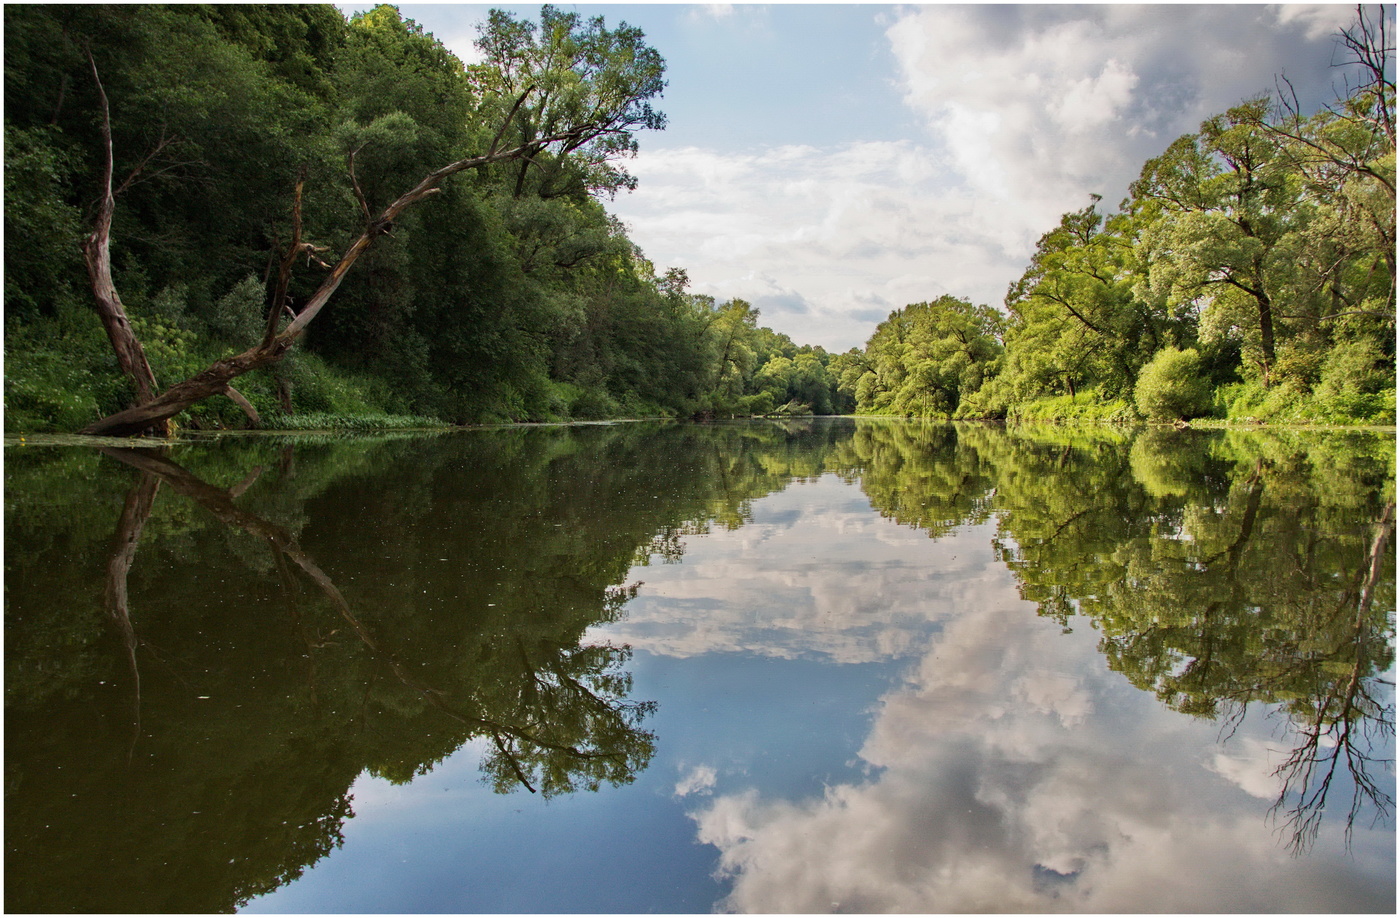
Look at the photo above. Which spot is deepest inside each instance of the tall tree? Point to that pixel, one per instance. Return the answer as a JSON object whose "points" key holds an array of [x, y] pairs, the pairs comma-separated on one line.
{"points": [[1223, 208]]}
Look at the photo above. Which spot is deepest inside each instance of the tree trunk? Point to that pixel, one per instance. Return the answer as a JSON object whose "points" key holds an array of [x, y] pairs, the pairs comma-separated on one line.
{"points": [[131, 357], [247, 406], [1266, 335]]}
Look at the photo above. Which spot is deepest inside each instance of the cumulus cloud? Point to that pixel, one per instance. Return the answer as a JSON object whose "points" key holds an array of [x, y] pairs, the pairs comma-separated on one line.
{"points": [[833, 230], [1042, 105], [1028, 110]]}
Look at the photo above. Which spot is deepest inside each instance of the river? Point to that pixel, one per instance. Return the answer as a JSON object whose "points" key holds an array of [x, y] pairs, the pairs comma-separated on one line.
{"points": [[813, 666]]}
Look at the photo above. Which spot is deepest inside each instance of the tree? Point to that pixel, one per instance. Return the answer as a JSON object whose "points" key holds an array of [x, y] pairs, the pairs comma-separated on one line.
{"points": [[1345, 156], [589, 99], [925, 358], [580, 73], [731, 334], [1075, 320], [1223, 209]]}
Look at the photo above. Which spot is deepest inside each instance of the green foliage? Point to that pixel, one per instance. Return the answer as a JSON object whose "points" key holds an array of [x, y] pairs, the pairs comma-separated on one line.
{"points": [[42, 230], [237, 318], [1341, 398], [1264, 242], [1171, 388], [561, 71], [60, 372], [510, 296], [1356, 368], [1088, 405], [323, 421], [924, 359], [1075, 319]]}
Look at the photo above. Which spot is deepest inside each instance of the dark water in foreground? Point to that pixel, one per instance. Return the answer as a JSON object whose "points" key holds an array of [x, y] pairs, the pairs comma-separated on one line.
{"points": [[809, 667]]}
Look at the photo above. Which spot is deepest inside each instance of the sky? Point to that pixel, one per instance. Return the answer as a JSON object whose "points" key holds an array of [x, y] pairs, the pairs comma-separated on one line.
{"points": [[831, 163]]}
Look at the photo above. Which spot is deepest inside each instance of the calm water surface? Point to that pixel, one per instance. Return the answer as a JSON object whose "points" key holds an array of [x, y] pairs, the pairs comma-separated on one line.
{"points": [[812, 667]]}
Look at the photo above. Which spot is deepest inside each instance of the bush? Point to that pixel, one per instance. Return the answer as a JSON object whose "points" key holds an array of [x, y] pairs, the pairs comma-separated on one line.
{"points": [[1355, 368], [60, 373], [319, 387], [1089, 405], [321, 421], [1172, 388]]}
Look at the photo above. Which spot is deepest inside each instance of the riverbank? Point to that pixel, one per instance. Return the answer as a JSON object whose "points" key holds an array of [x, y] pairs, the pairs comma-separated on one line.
{"points": [[403, 429]]}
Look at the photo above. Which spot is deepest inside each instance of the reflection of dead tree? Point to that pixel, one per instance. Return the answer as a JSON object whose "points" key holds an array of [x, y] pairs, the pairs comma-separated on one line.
{"points": [[135, 512], [219, 502], [1344, 723], [284, 574]]}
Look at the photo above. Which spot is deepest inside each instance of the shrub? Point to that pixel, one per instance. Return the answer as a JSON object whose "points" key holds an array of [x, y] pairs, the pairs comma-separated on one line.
{"points": [[1171, 386], [323, 421], [1355, 368], [1089, 405]]}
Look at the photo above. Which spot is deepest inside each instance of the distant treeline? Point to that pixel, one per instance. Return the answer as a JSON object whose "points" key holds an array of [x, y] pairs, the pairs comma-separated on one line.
{"points": [[1250, 274]]}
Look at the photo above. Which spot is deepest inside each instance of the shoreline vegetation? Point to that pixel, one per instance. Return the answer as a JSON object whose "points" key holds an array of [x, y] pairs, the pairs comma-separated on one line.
{"points": [[187, 187], [365, 428]]}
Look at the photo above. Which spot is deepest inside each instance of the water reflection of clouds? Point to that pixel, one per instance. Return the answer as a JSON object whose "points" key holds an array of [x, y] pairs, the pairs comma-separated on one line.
{"points": [[845, 584], [1014, 774], [700, 779], [1010, 771]]}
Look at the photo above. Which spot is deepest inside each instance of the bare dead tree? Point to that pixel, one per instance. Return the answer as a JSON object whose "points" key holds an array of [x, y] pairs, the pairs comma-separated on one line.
{"points": [[97, 256], [131, 357]]}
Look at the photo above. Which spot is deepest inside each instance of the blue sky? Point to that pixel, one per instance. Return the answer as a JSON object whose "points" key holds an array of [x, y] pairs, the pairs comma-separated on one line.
{"points": [[833, 162]]}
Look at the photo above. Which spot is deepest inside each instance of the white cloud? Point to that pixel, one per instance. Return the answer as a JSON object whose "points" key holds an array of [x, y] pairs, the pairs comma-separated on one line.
{"points": [[1250, 765], [1320, 20], [1040, 106], [699, 780], [1028, 110], [711, 11], [845, 585], [837, 230]]}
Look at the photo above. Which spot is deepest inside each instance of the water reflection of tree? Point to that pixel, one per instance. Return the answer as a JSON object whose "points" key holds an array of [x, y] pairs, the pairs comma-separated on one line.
{"points": [[375, 607], [569, 724], [921, 475], [1222, 571]]}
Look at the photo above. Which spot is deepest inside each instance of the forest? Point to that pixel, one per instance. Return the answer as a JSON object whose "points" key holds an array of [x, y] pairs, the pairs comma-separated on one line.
{"points": [[243, 151], [188, 187]]}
